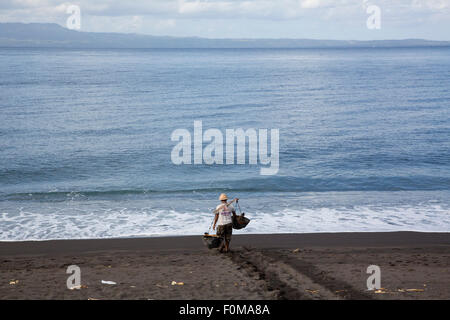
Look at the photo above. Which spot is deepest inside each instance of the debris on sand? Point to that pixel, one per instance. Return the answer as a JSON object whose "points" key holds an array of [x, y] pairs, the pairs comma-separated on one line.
{"points": [[312, 291], [411, 290], [381, 290], [78, 287]]}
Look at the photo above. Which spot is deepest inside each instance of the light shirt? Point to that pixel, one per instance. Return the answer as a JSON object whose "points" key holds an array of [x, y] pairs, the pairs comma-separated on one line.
{"points": [[225, 213]]}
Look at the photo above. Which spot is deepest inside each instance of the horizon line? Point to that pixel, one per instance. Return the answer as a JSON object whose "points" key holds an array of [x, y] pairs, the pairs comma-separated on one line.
{"points": [[207, 38]]}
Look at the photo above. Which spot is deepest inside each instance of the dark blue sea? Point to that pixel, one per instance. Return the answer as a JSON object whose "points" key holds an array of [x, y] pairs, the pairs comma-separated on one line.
{"points": [[85, 140]]}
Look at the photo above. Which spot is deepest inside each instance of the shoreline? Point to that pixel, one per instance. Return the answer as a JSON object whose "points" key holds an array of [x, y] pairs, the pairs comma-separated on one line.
{"points": [[245, 234], [324, 266], [193, 242]]}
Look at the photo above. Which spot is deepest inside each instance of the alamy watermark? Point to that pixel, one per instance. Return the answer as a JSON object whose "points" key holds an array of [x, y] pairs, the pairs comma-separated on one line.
{"points": [[213, 152], [74, 280], [73, 22], [373, 22], [374, 280]]}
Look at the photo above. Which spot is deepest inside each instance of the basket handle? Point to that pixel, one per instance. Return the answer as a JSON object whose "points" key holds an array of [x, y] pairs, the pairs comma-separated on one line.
{"points": [[209, 229], [240, 211]]}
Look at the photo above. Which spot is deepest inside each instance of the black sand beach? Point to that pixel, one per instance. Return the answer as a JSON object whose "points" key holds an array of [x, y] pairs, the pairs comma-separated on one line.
{"points": [[285, 266]]}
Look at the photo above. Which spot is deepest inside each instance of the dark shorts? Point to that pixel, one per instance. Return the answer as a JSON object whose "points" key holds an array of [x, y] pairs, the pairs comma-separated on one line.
{"points": [[225, 231]]}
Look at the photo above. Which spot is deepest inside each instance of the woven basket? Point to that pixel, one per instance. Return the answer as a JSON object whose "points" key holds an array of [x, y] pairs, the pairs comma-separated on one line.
{"points": [[240, 222], [212, 241]]}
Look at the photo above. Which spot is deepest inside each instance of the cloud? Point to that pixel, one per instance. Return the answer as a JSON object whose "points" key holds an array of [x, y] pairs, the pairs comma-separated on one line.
{"points": [[223, 9], [433, 5], [257, 9], [212, 17], [311, 4]]}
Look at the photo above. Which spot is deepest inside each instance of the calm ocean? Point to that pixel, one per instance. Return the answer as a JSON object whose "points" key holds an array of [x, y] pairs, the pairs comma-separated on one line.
{"points": [[85, 140]]}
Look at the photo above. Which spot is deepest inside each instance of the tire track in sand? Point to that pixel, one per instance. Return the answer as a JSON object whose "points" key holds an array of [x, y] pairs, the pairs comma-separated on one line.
{"points": [[293, 279]]}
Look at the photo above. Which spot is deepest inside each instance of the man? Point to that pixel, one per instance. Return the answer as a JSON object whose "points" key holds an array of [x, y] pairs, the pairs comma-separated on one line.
{"points": [[224, 221]]}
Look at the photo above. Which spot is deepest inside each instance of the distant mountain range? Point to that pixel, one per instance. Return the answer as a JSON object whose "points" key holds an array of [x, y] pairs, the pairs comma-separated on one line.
{"points": [[53, 35]]}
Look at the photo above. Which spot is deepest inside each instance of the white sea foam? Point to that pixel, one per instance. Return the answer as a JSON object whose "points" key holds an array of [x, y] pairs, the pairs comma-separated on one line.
{"points": [[73, 223]]}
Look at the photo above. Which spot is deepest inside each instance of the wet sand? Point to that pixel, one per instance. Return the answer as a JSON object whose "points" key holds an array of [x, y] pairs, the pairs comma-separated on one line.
{"points": [[286, 266]]}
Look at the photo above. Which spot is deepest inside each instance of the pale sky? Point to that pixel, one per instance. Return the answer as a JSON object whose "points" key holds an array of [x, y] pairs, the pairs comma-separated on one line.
{"points": [[318, 19]]}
